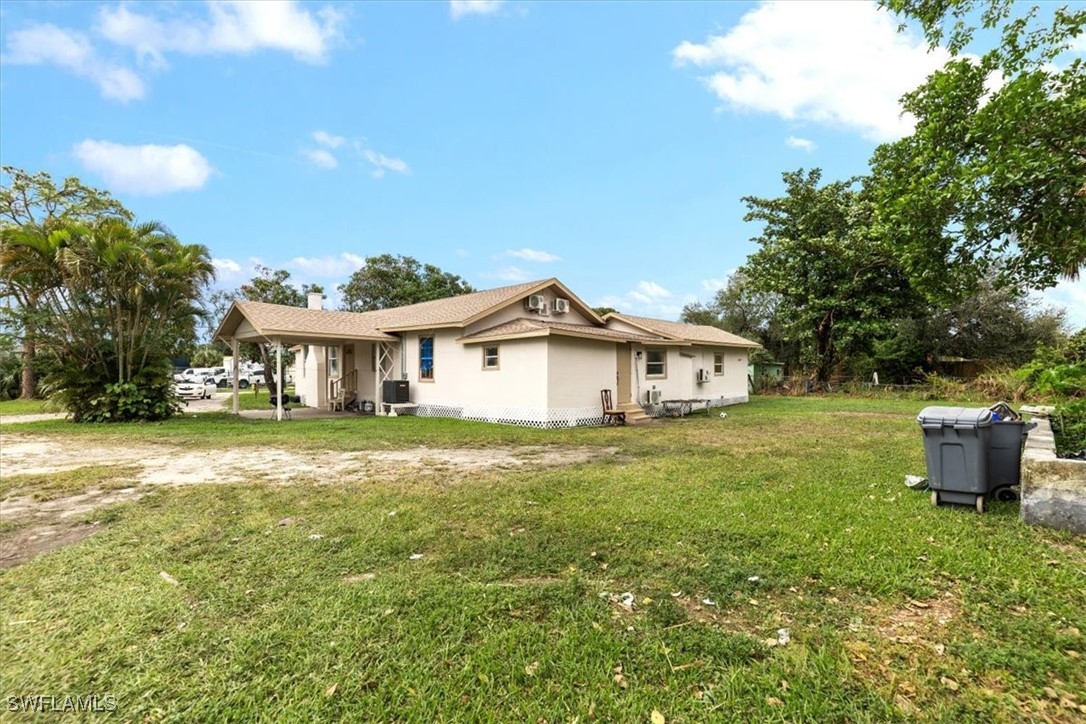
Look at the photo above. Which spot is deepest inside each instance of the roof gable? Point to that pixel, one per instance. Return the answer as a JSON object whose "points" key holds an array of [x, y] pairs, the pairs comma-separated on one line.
{"points": [[678, 330]]}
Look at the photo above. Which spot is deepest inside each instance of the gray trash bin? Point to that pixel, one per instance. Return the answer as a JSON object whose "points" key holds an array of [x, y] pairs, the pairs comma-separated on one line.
{"points": [[957, 442], [1005, 457]]}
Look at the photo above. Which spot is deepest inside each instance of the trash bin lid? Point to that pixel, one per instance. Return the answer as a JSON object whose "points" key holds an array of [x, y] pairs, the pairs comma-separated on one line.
{"points": [[955, 417]]}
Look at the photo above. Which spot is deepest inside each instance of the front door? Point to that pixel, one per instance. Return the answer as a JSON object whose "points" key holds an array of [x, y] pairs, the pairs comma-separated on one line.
{"points": [[623, 393]]}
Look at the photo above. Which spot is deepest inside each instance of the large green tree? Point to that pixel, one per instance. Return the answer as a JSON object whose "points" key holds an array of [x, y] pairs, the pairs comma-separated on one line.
{"points": [[740, 308], [822, 255], [993, 178], [114, 301], [32, 207], [393, 281]]}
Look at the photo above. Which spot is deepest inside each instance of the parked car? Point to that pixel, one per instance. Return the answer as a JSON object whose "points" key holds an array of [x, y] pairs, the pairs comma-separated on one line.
{"points": [[195, 389], [194, 373], [223, 378]]}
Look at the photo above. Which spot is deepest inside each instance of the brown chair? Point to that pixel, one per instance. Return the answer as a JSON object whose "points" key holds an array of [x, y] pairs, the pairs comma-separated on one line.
{"points": [[611, 415]]}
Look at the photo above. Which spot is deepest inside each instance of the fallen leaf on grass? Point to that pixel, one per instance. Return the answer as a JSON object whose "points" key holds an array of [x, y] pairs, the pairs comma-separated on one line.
{"points": [[331, 689], [315, 536], [949, 683], [1051, 693], [657, 717], [773, 701], [417, 556], [621, 681], [168, 578], [532, 668]]}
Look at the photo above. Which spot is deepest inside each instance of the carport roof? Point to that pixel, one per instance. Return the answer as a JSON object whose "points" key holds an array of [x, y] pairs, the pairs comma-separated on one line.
{"points": [[277, 321]]}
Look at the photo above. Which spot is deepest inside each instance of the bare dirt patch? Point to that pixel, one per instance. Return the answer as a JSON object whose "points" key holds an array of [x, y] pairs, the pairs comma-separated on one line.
{"points": [[171, 465], [22, 544]]}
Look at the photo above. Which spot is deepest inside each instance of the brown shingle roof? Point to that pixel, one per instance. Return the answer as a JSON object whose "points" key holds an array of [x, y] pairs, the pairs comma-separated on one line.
{"points": [[284, 320], [450, 311], [691, 332], [536, 327]]}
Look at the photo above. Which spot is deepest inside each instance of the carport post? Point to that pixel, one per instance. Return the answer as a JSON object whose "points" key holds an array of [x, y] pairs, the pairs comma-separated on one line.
{"points": [[237, 373], [279, 381]]}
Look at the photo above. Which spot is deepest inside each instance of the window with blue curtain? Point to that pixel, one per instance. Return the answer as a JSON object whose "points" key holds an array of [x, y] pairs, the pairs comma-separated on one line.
{"points": [[426, 358]]}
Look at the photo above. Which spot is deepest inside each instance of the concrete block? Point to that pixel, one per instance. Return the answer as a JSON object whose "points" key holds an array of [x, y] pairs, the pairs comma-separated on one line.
{"points": [[1053, 489]]}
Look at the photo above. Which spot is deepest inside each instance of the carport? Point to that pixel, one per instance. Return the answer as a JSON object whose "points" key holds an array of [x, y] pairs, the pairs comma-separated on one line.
{"points": [[278, 325]]}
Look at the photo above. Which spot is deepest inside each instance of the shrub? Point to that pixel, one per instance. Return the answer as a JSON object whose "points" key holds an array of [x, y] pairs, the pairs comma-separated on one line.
{"points": [[1069, 427]]}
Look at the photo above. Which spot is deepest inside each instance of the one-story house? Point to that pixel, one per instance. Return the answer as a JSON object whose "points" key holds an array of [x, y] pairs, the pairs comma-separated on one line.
{"points": [[528, 354]]}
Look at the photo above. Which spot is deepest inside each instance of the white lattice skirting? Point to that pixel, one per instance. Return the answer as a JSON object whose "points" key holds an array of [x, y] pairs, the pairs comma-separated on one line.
{"points": [[526, 416], [661, 411]]}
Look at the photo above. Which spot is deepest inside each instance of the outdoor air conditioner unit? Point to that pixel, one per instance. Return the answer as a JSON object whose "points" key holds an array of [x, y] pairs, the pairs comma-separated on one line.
{"points": [[653, 397], [703, 376], [535, 302], [560, 306]]}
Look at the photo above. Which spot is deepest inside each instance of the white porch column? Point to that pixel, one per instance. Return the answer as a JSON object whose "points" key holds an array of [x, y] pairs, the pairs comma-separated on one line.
{"points": [[237, 373], [279, 380]]}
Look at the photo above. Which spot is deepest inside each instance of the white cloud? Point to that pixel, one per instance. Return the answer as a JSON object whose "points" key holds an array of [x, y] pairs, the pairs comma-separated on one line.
{"points": [[227, 270], [147, 169], [233, 27], [650, 299], [226, 265], [320, 158], [327, 139], [509, 274], [838, 63], [462, 252], [803, 144], [49, 45], [652, 290], [340, 265], [382, 163], [1070, 295], [535, 255], [712, 286], [460, 8]]}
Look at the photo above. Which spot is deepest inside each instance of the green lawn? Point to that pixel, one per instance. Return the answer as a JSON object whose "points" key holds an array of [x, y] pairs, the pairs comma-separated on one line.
{"points": [[789, 514], [25, 407]]}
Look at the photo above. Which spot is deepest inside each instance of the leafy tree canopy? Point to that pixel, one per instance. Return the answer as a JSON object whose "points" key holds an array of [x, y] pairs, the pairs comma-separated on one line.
{"points": [[993, 179], [112, 302], [32, 207], [822, 256], [387, 281]]}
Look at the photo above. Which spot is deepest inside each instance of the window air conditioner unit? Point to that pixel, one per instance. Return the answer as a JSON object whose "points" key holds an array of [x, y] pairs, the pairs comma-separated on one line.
{"points": [[535, 302], [561, 306], [703, 376], [653, 397]]}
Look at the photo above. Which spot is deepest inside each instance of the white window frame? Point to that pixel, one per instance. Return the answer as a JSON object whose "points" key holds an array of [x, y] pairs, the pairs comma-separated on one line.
{"points": [[662, 351]]}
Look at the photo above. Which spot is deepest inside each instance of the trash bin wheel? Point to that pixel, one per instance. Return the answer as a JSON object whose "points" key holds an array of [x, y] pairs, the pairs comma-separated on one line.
{"points": [[980, 503], [1006, 495], [935, 498]]}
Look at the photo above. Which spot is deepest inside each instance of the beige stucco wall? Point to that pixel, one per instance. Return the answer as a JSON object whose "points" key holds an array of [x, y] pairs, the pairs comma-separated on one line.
{"points": [[681, 380], [577, 370], [459, 377]]}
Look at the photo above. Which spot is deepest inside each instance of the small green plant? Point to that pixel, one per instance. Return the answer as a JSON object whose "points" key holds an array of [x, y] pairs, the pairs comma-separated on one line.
{"points": [[1069, 427]]}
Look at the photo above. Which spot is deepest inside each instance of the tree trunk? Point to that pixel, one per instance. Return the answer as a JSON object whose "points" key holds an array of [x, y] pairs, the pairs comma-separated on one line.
{"points": [[269, 372], [28, 386]]}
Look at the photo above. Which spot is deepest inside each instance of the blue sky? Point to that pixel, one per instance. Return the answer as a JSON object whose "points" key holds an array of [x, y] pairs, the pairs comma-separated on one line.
{"points": [[606, 144]]}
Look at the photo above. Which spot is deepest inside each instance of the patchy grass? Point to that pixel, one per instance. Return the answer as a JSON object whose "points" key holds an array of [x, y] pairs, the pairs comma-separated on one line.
{"points": [[515, 611], [69, 482], [27, 407]]}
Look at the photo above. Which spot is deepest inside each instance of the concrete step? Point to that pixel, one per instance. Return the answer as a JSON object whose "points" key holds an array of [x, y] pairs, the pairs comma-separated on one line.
{"points": [[634, 414]]}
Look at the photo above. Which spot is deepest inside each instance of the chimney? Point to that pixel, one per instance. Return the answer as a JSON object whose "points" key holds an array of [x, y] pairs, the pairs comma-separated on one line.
{"points": [[315, 299]]}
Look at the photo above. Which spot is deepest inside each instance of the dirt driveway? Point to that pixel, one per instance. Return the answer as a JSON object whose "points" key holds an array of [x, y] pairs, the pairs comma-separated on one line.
{"points": [[33, 523]]}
